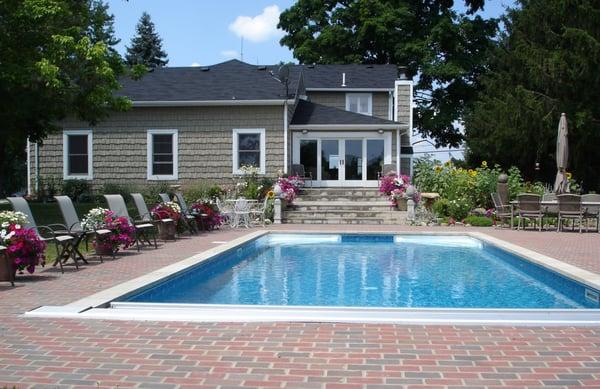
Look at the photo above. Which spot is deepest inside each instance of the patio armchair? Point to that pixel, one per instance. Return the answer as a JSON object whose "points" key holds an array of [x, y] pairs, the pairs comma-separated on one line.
{"points": [[258, 213], [144, 214], [142, 229], [226, 210], [74, 228], [503, 211], [298, 170], [530, 207], [6, 270], [569, 207], [241, 213], [386, 169], [592, 211], [52, 233], [188, 217]]}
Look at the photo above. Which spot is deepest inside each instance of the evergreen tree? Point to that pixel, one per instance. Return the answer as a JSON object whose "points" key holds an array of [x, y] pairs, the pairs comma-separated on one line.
{"points": [[447, 51], [146, 47], [546, 63]]}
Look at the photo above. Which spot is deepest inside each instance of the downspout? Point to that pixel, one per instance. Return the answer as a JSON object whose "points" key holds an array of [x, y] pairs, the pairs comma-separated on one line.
{"points": [[37, 167], [285, 136], [398, 151], [28, 168]]}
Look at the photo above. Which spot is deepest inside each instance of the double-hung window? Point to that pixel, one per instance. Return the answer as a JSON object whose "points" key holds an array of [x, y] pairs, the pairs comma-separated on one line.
{"points": [[248, 149], [162, 154], [360, 103], [77, 154]]}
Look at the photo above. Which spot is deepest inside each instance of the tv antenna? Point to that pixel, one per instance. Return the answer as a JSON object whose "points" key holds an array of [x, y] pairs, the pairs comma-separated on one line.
{"points": [[283, 76]]}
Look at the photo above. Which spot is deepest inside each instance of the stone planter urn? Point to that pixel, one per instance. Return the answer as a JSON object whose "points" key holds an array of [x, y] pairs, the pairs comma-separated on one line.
{"points": [[167, 231]]}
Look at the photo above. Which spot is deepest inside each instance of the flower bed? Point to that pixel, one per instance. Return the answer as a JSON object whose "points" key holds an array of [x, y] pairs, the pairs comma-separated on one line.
{"points": [[213, 218], [24, 246]]}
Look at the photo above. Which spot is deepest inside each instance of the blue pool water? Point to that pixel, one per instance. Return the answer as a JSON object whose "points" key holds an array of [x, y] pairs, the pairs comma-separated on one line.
{"points": [[369, 271]]}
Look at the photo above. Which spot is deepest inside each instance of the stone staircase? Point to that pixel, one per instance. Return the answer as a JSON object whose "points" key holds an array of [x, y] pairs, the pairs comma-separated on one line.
{"points": [[342, 206]]}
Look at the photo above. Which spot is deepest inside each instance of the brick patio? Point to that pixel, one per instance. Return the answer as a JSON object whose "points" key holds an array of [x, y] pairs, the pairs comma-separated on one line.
{"points": [[109, 354]]}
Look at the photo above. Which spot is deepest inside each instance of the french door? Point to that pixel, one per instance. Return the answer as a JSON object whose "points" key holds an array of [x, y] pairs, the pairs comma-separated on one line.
{"points": [[353, 159]]}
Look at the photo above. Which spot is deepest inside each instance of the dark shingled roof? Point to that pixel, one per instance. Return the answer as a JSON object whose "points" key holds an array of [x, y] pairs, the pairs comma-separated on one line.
{"points": [[357, 76], [236, 80], [231, 80], [308, 113]]}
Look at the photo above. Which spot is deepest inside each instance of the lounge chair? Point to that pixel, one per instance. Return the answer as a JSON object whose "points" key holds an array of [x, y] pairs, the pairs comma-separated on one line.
{"points": [[144, 213], [51, 233], [74, 228], [116, 203], [6, 270], [569, 207], [592, 211], [530, 207], [164, 197], [298, 170], [503, 211], [189, 218]]}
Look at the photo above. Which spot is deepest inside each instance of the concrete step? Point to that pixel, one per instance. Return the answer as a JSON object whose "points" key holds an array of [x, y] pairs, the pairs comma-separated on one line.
{"points": [[348, 212], [346, 220]]}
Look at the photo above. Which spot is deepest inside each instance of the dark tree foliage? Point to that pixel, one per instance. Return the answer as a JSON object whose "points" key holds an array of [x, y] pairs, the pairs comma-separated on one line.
{"points": [[546, 63], [146, 46], [446, 51], [56, 61]]}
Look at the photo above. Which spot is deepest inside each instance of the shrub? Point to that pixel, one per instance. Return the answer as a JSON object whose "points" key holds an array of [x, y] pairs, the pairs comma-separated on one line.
{"points": [[478, 221], [75, 189], [202, 191], [150, 192], [114, 188], [458, 209], [440, 208]]}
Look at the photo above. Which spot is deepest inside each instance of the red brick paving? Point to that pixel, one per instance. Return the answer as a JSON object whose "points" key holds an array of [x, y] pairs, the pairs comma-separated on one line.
{"points": [[110, 354]]}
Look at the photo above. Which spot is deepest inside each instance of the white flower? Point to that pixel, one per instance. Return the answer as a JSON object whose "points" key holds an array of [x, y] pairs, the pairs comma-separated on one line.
{"points": [[10, 235]]}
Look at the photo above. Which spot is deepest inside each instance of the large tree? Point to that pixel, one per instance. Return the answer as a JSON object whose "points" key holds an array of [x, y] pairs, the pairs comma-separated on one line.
{"points": [[447, 52], [546, 63], [146, 46], [56, 61]]}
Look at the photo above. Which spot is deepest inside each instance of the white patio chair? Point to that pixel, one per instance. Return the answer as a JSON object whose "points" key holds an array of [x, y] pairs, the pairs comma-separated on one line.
{"points": [[241, 213]]}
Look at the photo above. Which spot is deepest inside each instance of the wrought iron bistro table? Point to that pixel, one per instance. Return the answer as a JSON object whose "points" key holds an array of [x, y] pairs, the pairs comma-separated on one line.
{"points": [[548, 203]]}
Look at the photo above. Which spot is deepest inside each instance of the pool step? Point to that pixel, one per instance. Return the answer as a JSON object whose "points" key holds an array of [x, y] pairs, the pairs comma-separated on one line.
{"points": [[342, 206]]}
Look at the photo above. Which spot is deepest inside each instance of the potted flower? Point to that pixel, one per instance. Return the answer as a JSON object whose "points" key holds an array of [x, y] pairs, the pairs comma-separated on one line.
{"points": [[122, 232], [394, 187], [287, 189], [169, 213], [207, 215], [24, 247]]}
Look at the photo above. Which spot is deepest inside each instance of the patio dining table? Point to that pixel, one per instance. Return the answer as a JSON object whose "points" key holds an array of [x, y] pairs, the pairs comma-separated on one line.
{"points": [[243, 215]]}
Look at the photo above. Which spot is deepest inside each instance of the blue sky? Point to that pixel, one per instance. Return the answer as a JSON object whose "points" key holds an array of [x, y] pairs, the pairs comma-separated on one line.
{"points": [[207, 32]]}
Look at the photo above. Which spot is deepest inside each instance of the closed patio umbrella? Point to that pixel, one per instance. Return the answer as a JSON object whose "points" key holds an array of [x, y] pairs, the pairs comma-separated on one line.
{"points": [[561, 184]]}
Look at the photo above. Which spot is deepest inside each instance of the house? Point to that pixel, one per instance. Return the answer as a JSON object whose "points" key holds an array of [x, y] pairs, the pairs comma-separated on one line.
{"points": [[342, 122]]}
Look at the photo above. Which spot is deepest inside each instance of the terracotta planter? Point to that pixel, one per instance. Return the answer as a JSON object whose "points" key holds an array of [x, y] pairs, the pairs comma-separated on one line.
{"points": [[104, 250], [166, 231], [7, 270], [401, 205]]}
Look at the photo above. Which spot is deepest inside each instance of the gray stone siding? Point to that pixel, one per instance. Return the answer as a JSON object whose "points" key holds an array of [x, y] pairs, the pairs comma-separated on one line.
{"points": [[205, 143], [338, 100]]}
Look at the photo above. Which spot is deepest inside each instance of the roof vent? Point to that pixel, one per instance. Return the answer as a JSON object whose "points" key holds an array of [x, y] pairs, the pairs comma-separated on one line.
{"points": [[343, 79], [369, 66], [262, 67], [402, 73], [311, 66], [205, 68]]}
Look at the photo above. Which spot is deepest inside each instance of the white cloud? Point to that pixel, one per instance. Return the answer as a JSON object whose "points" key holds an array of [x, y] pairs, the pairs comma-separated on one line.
{"points": [[258, 28], [195, 64], [230, 54]]}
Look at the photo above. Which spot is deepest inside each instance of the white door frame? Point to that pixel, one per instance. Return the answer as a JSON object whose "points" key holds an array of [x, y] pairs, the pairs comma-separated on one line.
{"points": [[341, 137]]}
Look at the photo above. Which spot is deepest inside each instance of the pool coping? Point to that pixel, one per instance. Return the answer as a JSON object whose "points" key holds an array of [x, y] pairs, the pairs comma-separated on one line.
{"points": [[94, 306]]}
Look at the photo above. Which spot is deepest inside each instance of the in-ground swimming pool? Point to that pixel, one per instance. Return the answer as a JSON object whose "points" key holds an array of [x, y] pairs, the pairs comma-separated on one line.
{"points": [[394, 271]]}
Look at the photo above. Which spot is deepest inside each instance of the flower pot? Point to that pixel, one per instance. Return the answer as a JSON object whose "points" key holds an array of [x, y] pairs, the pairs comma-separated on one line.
{"points": [[7, 270], [166, 231], [104, 250], [401, 204]]}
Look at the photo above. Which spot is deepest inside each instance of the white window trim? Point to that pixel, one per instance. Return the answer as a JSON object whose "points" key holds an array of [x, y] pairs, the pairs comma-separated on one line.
{"points": [[263, 148], [159, 177], [90, 142], [370, 101]]}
